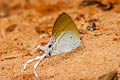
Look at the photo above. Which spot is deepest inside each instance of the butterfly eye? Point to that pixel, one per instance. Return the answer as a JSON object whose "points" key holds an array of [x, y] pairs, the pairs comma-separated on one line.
{"points": [[71, 37], [80, 38], [50, 46]]}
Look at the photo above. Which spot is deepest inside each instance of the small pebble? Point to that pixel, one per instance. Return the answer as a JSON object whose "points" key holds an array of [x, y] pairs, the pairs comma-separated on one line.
{"points": [[91, 27], [11, 28], [109, 76]]}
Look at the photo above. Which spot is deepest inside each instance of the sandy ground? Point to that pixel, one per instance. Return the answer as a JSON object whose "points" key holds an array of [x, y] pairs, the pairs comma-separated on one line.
{"points": [[18, 37]]}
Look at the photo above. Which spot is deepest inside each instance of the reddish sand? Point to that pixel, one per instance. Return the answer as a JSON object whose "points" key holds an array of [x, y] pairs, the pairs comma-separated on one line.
{"points": [[18, 37]]}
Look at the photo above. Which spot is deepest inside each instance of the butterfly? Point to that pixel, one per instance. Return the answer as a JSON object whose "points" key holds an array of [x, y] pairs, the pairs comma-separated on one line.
{"points": [[65, 37]]}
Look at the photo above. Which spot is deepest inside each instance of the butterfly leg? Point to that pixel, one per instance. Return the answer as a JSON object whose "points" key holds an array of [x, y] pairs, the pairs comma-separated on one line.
{"points": [[41, 47], [35, 66]]}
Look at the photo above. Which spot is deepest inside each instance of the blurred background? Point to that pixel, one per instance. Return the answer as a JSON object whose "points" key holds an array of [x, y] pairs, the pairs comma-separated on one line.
{"points": [[43, 7]]}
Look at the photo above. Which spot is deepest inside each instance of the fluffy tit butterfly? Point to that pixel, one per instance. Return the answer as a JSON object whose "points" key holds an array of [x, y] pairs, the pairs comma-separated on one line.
{"points": [[65, 37]]}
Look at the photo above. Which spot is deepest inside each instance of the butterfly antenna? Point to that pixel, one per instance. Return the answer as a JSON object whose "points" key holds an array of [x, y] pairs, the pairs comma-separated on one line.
{"points": [[41, 47]]}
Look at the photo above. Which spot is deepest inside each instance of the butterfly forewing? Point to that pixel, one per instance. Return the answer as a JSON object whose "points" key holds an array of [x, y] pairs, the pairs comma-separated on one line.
{"points": [[62, 24]]}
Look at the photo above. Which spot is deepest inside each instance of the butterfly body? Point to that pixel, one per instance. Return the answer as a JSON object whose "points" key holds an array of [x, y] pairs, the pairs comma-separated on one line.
{"points": [[63, 45], [65, 37]]}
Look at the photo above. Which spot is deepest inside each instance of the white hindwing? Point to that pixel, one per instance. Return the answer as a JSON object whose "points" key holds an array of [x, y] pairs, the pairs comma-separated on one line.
{"points": [[65, 43]]}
